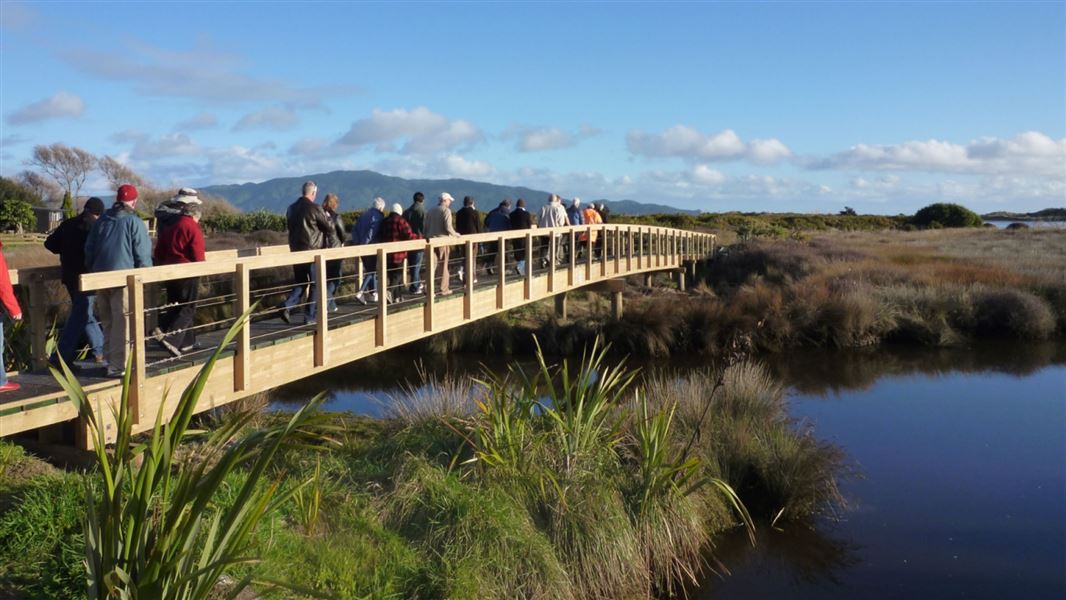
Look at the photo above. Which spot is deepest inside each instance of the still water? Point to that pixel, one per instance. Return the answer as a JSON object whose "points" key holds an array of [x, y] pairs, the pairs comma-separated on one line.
{"points": [[961, 462]]}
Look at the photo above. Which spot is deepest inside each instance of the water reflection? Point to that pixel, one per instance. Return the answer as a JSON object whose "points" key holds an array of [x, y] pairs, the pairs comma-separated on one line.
{"points": [[813, 556]]}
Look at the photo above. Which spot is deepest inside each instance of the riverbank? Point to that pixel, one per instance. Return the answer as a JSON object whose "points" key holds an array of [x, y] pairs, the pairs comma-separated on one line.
{"points": [[548, 485], [840, 290]]}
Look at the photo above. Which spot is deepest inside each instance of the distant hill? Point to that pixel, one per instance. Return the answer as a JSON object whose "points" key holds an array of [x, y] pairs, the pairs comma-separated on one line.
{"points": [[1048, 214], [358, 188]]}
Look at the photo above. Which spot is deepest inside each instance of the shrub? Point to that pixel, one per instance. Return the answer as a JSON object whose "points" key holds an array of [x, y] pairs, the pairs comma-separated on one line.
{"points": [[944, 214], [1012, 314]]}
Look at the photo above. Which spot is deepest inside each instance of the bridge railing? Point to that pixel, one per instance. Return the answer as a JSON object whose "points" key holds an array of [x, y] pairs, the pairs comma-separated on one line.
{"points": [[241, 278]]}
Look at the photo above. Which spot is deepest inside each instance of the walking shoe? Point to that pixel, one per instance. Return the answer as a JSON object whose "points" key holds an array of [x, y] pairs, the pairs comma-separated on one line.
{"points": [[374, 297], [460, 274], [190, 347], [9, 387], [171, 348], [421, 289], [157, 334], [360, 298], [285, 315], [115, 373]]}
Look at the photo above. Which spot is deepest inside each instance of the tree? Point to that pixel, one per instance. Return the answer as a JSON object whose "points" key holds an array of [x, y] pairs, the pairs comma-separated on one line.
{"points": [[67, 165], [45, 190], [68, 206], [943, 214], [16, 206], [848, 212], [118, 173]]}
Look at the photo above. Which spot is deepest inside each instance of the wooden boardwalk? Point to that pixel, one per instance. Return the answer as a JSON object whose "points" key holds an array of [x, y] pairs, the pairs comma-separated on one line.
{"points": [[269, 352]]}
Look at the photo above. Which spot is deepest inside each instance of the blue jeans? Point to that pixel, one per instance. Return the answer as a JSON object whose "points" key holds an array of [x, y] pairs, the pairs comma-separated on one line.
{"points": [[414, 267], [305, 275], [81, 320]]}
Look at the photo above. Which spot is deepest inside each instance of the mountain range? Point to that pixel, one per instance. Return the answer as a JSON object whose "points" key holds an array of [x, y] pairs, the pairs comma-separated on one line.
{"points": [[357, 189]]}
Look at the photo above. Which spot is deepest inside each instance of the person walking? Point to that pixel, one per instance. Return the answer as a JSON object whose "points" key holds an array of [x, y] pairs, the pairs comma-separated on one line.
{"points": [[308, 228], [13, 310], [605, 213], [68, 241], [574, 214], [592, 217], [365, 231], [117, 240], [334, 268], [552, 215], [179, 240], [395, 228], [520, 219], [468, 222], [439, 224], [415, 215], [497, 220]]}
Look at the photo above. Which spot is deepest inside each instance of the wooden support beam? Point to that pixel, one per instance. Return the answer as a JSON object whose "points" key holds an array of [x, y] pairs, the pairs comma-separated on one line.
{"points": [[527, 292], [429, 281], [573, 259], [383, 299], [560, 306], [135, 291], [616, 305], [606, 247], [242, 360], [552, 258], [501, 267], [321, 312], [588, 257], [37, 315], [629, 250], [468, 280]]}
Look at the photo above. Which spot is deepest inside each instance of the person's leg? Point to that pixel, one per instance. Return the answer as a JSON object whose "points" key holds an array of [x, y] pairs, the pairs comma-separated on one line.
{"points": [[301, 275], [178, 332], [67, 346], [113, 311], [333, 274], [414, 261], [92, 328], [445, 274], [312, 298]]}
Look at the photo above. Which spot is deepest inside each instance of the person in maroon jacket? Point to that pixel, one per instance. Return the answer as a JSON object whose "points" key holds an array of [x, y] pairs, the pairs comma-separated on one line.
{"points": [[179, 240], [395, 228], [11, 306]]}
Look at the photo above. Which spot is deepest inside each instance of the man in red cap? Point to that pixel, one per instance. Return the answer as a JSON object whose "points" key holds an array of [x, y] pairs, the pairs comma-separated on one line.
{"points": [[117, 241]]}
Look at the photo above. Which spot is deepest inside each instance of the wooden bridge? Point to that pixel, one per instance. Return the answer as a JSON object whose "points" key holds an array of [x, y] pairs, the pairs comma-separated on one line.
{"points": [[268, 352]]}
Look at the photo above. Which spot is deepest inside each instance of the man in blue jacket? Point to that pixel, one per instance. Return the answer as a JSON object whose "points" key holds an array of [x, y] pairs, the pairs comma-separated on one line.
{"points": [[118, 240]]}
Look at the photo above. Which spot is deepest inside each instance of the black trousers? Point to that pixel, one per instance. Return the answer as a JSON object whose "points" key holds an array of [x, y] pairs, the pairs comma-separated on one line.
{"points": [[176, 320]]}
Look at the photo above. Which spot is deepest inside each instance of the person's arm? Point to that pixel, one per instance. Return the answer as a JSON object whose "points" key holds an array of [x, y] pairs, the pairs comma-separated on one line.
{"points": [[7, 293], [90, 246], [54, 242], [448, 227], [197, 250], [142, 246]]}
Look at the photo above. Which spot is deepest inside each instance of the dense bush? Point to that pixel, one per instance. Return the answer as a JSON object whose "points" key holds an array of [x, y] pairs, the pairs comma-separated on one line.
{"points": [[16, 206], [245, 222], [946, 215]]}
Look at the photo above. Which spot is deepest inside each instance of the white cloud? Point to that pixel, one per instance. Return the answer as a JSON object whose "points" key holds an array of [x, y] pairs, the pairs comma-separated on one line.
{"points": [[1030, 153], [61, 105], [441, 167], [422, 131], [685, 142], [204, 120], [147, 149], [706, 175], [539, 139], [457, 166], [276, 118]]}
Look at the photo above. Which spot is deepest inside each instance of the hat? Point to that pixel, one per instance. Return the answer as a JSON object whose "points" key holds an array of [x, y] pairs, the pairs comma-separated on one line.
{"points": [[95, 206], [446, 196], [577, 201], [187, 196], [127, 194], [396, 208]]}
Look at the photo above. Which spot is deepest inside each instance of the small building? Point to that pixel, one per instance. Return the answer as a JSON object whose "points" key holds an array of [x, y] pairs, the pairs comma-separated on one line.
{"points": [[47, 218]]}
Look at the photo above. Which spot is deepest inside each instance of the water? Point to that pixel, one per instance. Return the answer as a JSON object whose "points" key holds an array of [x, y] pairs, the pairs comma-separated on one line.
{"points": [[963, 461], [1031, 224]]}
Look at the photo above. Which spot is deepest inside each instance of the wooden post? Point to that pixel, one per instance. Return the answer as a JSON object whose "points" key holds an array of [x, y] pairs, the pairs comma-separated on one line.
{"points": [[551, 261], [404, 279], [640, 248], [617, 249], [135, 290], [501, 266], [616, 305], [529, 267], [242, 360], [430, 260], [606, 247], [681, 279], [588, 257], [629, 250], [359, 275], [573, 259], [321, 312], [658, 248], [38, 318], [468, 281], [383, 299], [560, 306]]}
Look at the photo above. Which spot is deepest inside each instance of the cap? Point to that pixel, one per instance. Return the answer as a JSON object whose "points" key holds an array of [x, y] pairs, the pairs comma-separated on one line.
{"points": [[187, 196], [126, 193], [396, 208], [446, 196], [95, 206]]}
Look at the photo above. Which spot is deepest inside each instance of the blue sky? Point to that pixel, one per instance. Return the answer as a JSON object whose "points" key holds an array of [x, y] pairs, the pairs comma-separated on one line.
{"points": [[777, 106]]}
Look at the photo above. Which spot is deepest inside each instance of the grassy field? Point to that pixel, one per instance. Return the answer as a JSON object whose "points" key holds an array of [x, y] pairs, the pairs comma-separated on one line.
{"points": [[543, 484]]}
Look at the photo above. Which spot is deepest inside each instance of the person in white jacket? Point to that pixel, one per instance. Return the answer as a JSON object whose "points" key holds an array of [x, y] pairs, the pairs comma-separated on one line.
{"points": [[552, 215]]}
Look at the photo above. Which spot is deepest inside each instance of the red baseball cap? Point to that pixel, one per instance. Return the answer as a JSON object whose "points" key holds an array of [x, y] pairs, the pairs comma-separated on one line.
{"points": [[126, 193]]}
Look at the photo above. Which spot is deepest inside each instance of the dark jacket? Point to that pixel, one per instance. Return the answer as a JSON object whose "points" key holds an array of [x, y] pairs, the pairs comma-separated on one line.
{"points": [[521, 219], [339, 234], [118, 240], [605, 213], [498, 219], [366, 227], [68, 241], [574, 214], [467, 221], [309, 227], [416, 218]]}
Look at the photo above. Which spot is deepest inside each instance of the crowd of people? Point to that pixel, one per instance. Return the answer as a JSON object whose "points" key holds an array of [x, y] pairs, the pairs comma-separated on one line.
{"points": [[313, 227], [116, 238]]}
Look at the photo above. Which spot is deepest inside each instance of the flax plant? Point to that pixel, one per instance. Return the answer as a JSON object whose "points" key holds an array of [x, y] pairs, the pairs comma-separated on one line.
{"points": [[154, 530]]}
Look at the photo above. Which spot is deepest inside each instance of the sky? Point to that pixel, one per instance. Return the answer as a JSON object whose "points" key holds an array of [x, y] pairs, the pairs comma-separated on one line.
{"points": [[769, 106]]}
